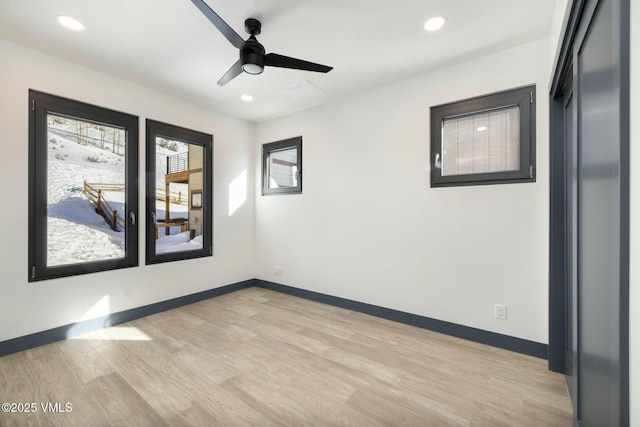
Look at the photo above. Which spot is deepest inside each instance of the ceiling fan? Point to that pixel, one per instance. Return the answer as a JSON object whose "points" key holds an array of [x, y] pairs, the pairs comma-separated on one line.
{"points": [[252, 54]]}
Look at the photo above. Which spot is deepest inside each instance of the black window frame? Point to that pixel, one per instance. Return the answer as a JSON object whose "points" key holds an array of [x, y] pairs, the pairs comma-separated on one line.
{"points": [[159, 129], [285, 144], [40, 105], [525, 99]]}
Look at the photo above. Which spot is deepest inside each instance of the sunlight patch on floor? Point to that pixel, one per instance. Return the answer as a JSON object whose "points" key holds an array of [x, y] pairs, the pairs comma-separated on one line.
{"points": [[116, 333]]}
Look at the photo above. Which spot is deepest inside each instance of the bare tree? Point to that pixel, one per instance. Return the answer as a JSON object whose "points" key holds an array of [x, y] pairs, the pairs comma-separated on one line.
{"points": [[82, 132], [117, 140]]}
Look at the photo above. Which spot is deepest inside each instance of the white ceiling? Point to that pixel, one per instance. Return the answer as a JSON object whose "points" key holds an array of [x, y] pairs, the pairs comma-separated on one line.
{"points": [[169, 46]]}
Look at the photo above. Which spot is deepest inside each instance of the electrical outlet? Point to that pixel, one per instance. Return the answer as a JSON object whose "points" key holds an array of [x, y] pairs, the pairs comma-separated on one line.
{"points": [[278, 270], [127, 292], [501, 312]]}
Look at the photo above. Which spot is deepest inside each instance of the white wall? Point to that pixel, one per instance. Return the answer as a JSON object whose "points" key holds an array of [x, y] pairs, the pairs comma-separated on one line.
{"points": [[31, 307], [368, 226], [555, 33], [634, 300]]}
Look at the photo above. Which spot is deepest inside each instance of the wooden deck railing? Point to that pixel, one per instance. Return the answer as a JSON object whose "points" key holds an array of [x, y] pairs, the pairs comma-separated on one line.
{"points": [[94, 193], [177, 197]]}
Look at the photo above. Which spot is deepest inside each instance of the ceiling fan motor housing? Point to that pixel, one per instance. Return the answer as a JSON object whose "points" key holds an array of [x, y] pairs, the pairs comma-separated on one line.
{"points": [[252, 56]]}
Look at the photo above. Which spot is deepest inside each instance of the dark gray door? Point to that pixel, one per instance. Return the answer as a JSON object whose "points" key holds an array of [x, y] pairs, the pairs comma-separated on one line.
{"points": [[601, 228], [589, 227]]}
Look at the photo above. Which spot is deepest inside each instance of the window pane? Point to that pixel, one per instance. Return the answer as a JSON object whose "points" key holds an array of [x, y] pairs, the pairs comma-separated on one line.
{"points": [[83, 174], [179, 185], [283, 168], [179, 193], [481, 143], [85, 191]]}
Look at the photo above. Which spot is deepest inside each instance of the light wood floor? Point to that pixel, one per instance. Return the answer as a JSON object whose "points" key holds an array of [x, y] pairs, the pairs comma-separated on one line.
{"points": [[261, 358]]}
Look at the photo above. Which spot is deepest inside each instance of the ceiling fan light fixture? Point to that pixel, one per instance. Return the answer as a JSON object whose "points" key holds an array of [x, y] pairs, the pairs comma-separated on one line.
{"points": [[435, 23], [252, 57], [252, 68], [70, 23]]}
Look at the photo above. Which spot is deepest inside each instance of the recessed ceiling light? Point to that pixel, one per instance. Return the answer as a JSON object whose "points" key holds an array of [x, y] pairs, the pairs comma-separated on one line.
{"points": [[434, 24], [481, 128], [246, 98], [70, 23]]}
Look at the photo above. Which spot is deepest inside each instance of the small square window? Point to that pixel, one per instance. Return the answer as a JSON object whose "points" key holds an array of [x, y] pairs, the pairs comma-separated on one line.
{"points": [[484, 140], [282, 167]]}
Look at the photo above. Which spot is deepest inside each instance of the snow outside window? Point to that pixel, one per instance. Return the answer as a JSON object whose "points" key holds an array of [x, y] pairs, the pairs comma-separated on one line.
{"points": [[179, 193], [82, 203]]}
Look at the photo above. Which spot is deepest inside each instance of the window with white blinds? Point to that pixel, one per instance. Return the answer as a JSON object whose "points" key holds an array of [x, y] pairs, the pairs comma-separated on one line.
{"points": [[482, 142], [485, 140]]}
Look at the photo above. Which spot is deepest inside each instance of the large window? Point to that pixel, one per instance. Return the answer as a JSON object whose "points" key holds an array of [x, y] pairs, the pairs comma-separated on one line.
{"points": [[83, 197], [484, 140], [282, 167], [179, 193]]}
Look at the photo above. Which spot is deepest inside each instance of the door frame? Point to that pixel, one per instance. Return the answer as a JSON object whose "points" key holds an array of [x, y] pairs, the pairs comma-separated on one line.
{"points": [[579, 11], [557, 189]]}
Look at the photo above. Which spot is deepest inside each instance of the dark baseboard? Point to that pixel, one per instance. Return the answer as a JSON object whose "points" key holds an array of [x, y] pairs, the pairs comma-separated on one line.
{"points": [[506, 342], [63, 332]]}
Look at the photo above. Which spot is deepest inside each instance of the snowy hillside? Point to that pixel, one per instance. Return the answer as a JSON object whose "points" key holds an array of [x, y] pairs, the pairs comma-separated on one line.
{"points": [[75, 232]]}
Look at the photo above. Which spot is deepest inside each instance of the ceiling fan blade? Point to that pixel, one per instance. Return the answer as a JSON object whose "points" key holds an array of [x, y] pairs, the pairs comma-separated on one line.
{"points": [[275, 60], [219, 23], [232, 73]]}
